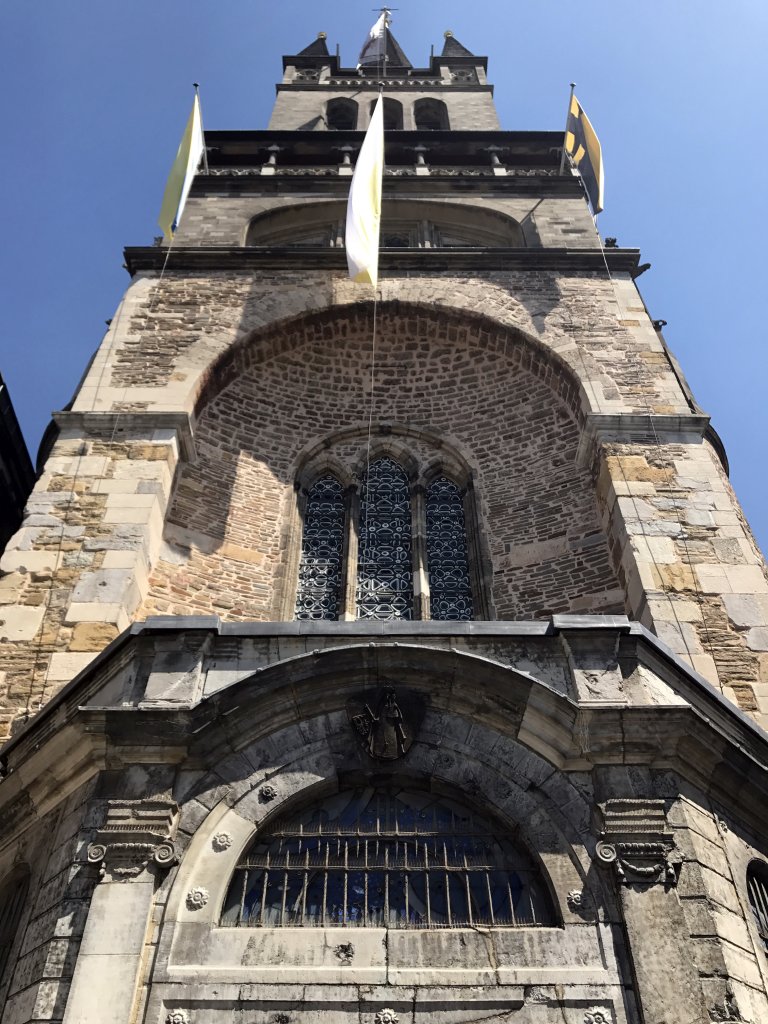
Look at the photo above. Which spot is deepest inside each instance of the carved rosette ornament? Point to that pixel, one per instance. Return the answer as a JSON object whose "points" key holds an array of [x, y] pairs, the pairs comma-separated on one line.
{"points": [[575, 899], [197, 898], [267, 794], [386, 1016], [137, 833], [177, 1017], [637, 841], [221, 841], [598, 1015]]}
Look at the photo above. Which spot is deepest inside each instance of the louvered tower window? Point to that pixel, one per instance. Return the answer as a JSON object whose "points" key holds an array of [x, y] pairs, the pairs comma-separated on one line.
{"points": [[757, 889], [450, 592], [387, 857], [321, 567], [385, 560]]}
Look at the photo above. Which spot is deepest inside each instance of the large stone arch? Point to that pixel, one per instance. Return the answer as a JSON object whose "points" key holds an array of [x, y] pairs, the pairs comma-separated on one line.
{"points": [[271, 765], [511, 408]]}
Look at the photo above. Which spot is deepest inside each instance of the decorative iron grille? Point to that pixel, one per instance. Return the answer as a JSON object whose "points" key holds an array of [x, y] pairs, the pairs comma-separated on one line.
{"points": [[386, 858], [320, 568], [447, 562], [757, 889], [384, 567]]}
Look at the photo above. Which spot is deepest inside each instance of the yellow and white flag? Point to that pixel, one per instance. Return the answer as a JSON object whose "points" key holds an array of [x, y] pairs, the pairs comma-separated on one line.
{"points": [[184, 168], [364, 205]]}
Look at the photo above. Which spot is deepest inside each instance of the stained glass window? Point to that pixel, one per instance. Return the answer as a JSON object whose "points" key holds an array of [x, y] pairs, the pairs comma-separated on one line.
{"points": [[447, 562], [390, 858], [384, 566], [320, 569]]}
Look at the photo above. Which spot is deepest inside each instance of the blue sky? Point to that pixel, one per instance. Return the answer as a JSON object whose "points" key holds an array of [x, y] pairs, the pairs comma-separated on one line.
{"points": [[96, 94]]}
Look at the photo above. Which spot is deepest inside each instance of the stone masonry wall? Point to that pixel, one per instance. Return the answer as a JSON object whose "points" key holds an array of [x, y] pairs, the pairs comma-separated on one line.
{"points": [[298, 108], [690, 565], [222, 217], [56, 908], [78, 570], [537, 507], [75, 572]]}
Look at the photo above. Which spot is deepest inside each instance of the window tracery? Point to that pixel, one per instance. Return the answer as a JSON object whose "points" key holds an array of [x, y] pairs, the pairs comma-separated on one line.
{"points": [[385, 565], [320, 569], [450, 591], [386, 857], [386, 548], [757, 890]]}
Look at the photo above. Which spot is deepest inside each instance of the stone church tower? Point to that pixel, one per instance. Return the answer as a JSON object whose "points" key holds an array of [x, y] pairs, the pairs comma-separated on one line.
{"points": [[416, 681]]}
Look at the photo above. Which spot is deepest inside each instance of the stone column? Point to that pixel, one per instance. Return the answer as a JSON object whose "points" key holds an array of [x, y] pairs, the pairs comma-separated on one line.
{"points": [[134, 844], [637, 845]]}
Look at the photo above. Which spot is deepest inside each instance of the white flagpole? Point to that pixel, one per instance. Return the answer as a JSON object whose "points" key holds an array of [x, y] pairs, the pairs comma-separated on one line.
{"points": [[202, 127], [567, 118]]}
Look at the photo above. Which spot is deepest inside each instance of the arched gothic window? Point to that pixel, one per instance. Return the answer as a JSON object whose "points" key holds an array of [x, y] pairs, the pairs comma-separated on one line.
{"points": [[430, 115], [386, 857], [757, 890], [385, 561], [363, 551], [341, 115], [320, 569], [13, 893], [393, 114], [450, 593]]}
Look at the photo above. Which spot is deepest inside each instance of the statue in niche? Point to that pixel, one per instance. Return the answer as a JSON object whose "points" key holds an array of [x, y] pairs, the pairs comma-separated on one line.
{"points": [[384, 722]]}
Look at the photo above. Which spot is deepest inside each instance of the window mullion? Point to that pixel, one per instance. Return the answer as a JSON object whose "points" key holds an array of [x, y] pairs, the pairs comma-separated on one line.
{"points": [[419, 551], [347, 611]]}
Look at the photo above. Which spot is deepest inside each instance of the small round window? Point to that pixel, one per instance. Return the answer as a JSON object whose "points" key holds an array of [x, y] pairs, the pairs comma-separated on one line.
{"points": [[395, 858]]}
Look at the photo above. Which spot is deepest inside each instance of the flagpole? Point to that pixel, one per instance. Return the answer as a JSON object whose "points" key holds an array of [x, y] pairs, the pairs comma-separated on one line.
{"points": [[202, 127], [567, 119]]}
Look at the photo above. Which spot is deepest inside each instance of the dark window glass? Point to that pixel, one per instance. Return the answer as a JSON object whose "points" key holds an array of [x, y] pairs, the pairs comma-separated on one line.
{"points": [[342, 115], [393, 115], [320, 569], [430, 115], [384, 565], [757, 889], [13, 893], [386, 857], [449, 587]]}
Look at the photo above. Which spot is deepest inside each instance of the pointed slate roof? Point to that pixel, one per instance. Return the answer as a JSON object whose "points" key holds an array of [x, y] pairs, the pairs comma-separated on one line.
{"points": [[317, 48], [396, 58], [453, 48]]}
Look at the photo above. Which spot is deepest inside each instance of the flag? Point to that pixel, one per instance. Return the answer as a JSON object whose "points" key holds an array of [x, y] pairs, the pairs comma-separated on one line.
{"points": [[375, 46], [583, 147], [364, 205], [185, 166]]}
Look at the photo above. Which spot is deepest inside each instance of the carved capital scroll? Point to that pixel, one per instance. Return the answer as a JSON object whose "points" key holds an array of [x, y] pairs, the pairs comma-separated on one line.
{"points": [[635, 838], [135, 834]]}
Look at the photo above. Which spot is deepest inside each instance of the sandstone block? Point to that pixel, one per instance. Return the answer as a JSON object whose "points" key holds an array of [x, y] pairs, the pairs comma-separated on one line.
{"points": [[65, 666], [29, 561], [20, 622], [92, 636], [757, 638], [746, 609]]}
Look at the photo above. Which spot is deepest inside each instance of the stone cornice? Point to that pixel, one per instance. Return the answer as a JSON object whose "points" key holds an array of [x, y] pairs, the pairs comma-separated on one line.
{"points": [[699, 734], [120, 425], [331, 185], [391, 261]]}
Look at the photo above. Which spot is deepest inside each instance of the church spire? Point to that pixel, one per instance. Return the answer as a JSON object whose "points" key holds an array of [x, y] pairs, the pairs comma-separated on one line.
{"points": [[453, 48]]}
